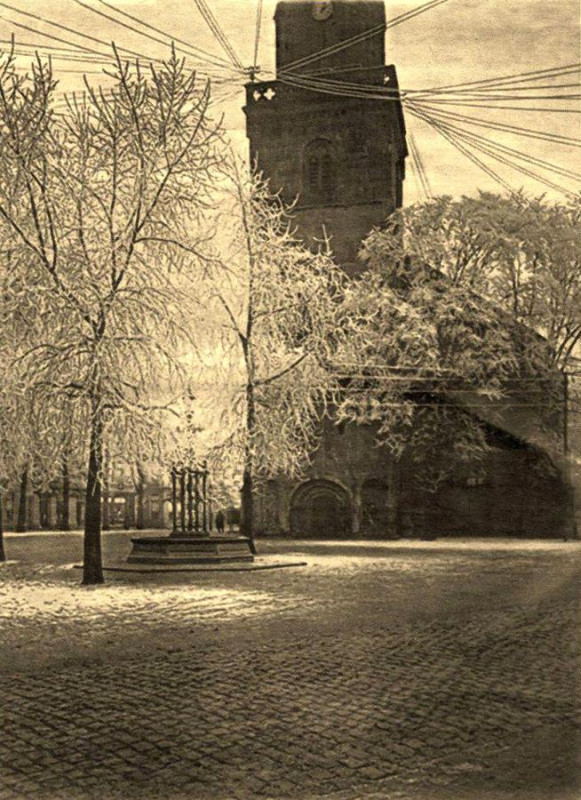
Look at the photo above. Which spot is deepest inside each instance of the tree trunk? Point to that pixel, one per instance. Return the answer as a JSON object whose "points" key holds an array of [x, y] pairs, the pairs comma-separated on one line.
{"points": [[247, 510], [106, 505], [2, 552], [43, 519], [92, 562], [140, 492], [65, 515], [247, 495], [21, 518]]}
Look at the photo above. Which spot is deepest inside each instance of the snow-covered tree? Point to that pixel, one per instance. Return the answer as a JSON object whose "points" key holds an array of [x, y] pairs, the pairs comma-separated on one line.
{"points": [[100, 213], [32, 437], [12, 451], [411, 345], [520, 252], [466, 306], [269, 308]]}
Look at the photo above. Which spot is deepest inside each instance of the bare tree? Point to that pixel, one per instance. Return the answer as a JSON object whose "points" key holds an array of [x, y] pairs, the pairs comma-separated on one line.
{"points": [[101, 209]]}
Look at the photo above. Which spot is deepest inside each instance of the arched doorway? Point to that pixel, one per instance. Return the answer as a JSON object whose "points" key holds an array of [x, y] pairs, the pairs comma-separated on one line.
{"points": [[320, 510]]}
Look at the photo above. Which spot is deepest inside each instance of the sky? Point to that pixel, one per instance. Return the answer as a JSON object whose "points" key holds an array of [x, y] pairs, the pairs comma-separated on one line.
{"points": [[460, 40]]}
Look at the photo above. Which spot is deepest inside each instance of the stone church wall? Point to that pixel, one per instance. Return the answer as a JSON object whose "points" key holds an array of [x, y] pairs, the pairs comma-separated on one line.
{"points": [[342, 160], [357, 490]]}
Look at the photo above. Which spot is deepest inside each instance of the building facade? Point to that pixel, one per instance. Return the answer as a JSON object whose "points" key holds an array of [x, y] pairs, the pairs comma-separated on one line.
{"points": [[123, 507], [341, 158]]}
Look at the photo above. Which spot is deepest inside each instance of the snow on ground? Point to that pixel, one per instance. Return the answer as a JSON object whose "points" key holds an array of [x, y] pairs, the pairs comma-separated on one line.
{"points": [[35, 599], [47, 621], [47, 617]]}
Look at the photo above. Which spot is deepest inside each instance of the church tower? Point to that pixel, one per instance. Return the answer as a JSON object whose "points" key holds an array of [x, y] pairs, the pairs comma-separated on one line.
{"points": [[338, 154]]}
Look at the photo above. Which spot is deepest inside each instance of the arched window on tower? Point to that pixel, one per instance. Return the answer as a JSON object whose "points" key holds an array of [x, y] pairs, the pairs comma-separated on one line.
{"points": [[319, 173]]}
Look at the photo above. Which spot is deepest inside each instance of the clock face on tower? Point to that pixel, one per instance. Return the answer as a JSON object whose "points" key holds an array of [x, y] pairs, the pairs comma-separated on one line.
{"points": [[322, 9]]}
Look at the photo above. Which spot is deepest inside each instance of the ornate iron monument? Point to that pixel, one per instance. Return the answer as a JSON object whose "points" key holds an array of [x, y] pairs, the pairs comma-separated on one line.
{"points": [[191, 540]]}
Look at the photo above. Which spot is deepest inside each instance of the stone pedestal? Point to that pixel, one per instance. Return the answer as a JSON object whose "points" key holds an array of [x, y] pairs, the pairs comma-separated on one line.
{"points": [[180, 549]]}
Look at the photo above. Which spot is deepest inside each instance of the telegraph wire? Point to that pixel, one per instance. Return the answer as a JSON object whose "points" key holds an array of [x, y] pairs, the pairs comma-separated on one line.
{"points": [[512, 151], [346, 68], [363, 88], [478, 93], [467, 98], [423, 171], [54, 37], [214, 26], [519, 155], [469, 88], [166, 43], [81, 71], [440, 402], [375, 92], [526, 76], [425, 106], [523, 170], [500, 126], [434, 374], [55, 51], [472, 87], [415, 372], [67, 59], [45, 51], [416, 175], [73, 31], [385, 92], [485, 92], [257, 36], [467, 104], [217, 60], [486, 150], [475, 160], [47, 54], [216, 99], [363, 36], [419, 167], [453, 140], [325, 87]]}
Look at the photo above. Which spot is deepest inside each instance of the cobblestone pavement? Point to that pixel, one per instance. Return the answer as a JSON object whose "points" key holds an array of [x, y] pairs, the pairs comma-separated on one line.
{"points": [[426, 676]]}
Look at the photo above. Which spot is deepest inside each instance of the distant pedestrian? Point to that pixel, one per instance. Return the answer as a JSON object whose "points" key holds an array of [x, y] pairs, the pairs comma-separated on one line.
{"points": [[220, 522]]}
